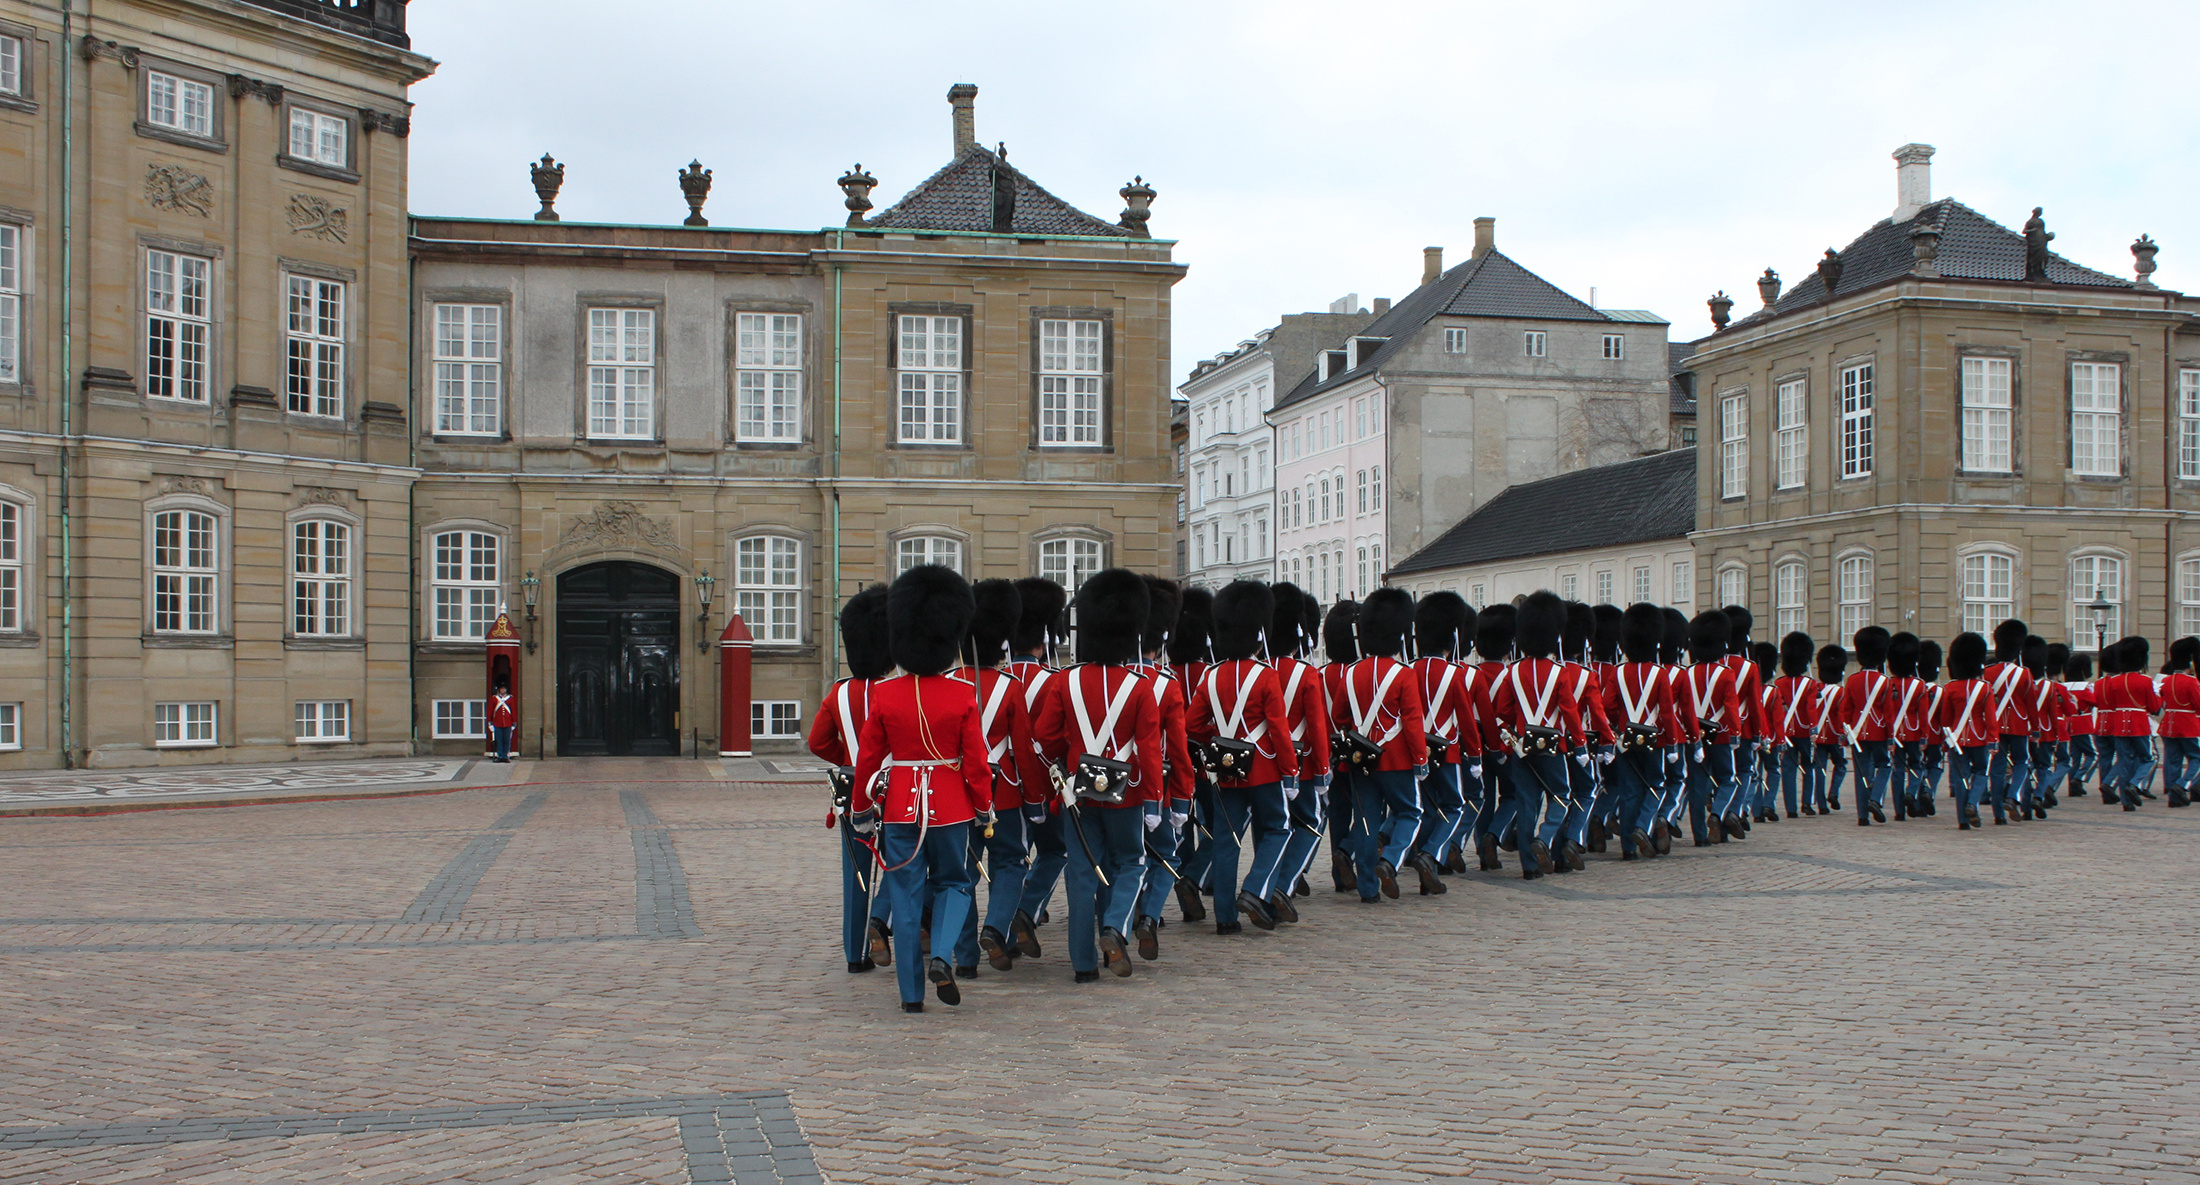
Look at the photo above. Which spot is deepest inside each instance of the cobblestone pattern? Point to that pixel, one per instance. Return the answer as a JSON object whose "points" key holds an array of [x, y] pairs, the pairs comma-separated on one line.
{"points": [[1818, 1003], [444, 900], [92, 786]]}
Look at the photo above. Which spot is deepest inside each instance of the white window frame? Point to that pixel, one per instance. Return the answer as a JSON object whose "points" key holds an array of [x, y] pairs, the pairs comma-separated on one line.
{"points": [[1734, 444], [1856, 592], [1375, 487], [1733, 585], [14, 542], [468, 358], [320, 138], [11, 65], [912, 550], [622, 374], [1790, 435], [775, 719], [458, 719], [1534, 343], [1988, 414], [1070, 560], [320, 722], [323, 558], [1070, 381], [2188, 596], [187, 571], [1604, 583], [1855, 393], [179, 104], [11, 727], [465, 582], [769, 587], [1359, 484], [1790, 612], [313, 341], [2096, 419], [2106, 571], [1987, 589], [1643, 589], [2188, 423], [1569, 586], [179, 326], [187, 724], [1615, 347], [767, 378], [928, 397], [11, 303], [1684, 582], [1455, 340]]}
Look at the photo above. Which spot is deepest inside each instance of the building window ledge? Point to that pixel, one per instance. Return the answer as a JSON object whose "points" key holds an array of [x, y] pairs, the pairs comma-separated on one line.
{"points": [[324, 643], [18, 103], [152, 641], [316, 168], [784, 651], [154, 131], [19, 639], [449, 646]]}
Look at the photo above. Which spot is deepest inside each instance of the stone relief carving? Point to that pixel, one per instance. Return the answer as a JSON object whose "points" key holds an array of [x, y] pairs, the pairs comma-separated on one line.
{"points": [[178, 484], [620, 522], [323, 496], [318, 218], [173, 187]]}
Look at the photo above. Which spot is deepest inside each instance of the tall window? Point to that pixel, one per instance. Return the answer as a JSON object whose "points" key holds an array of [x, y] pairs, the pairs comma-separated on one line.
{"points": [[1477, 595], [931, 380], [11, 567], [11, 726], [2188, 597], [1615, 346], [468, 584], [321, 721], [1364, 581], [322, 139], [1733, 585], [767, 586], [1603, 586], [1325, 501], [1642, 584], [1787, 597], [11, 301], [1069, 562], [1790, 436], [1359, 419], [1989, 591], [775, 718], [1684, 583], [1069, 382], [622, 373], [2103, 574], [1532, 343], [183, 724], [179, 104], [2096, 419], [177, 326], [320, 578], [315, 341], [469, 369], [1856, 420], [767, 377], [1986, 415], [1360, 484], [927, 549], [1375, 488], [1569, 586], [2188, 417], [1734, 445], [184, 572], [11, 65], [1853, 585], [1455, 341]]}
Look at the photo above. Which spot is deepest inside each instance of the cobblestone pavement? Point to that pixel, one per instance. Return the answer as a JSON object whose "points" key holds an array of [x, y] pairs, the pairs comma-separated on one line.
{"points": [[601, 976], [213, 780]]}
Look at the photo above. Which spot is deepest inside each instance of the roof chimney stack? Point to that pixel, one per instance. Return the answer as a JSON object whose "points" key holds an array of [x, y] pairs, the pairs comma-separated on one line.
{"points": [[1432, 263], [1913, 180], [963, 97], [1485, 236]]}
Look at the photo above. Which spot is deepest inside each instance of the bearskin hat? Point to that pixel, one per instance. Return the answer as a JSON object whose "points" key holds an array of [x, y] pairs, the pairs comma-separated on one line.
{"points": [[1112, 608], [2079, 667], [1041, 617], [1870, 644], [2182, 652], [1738, 622], [1287, 623], [1581, 627], [1795, 653], [1902, 651], [1604, 643], [1766, 656], [1194, 623], [1242, 613], [1675, 641], [928, 610], [1928, 660], [1708, 636], [1311, 633], [1539, 624], [863, 634], [1832, 661], [2033, 658], [2058, 659], [2109, 657], [1494, 630], [2009, 639], [1340, 632], [1161, 613], [1436, 622], [1385, 618], [1642, 627], [999, 609], [2131, 653], [1967, 656]]}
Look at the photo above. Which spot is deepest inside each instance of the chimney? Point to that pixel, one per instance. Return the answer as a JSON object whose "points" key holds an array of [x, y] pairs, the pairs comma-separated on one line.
{"points": [[963, 97], [1382, 305], [1432, 263], [1485, 236], [1913, 180]]}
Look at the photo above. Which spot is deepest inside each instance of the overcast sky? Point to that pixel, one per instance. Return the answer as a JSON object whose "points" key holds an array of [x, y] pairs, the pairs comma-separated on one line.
{"points": [[1654, 151]]}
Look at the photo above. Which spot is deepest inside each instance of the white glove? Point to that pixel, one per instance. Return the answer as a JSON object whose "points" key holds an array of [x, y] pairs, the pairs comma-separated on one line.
{"points": [[1035, 813], [1319, 783], [1474, 769], [863, 822], [1152, 815], [1290, 788], [1699, 753], [1582, 756], [1606, 756], [1179, 818]]}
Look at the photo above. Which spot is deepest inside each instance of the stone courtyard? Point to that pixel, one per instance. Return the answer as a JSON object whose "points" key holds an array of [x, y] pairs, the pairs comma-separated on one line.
{"points": [[627, 971]]}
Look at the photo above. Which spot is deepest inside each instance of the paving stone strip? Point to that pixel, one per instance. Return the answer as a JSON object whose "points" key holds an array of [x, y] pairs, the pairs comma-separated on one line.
{"points": [[661, 905], [445, 897]]}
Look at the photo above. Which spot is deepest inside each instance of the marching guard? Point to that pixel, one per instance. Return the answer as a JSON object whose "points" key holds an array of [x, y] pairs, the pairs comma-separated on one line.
{"points": [[1454, 737], [1638, 700], [1019, 778], [1032, 642], [1379, 714], [1189, 653], [1163, 820], [2012, 709], [1967, 726], [1291, 633], [834, 734], [1495, 826], [1341, 645], [1541, 722], [2127, 702], [1241, 725]]}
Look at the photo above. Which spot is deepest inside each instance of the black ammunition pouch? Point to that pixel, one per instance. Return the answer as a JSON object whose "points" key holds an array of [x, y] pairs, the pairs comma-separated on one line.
{"points": [[1642, 736], [1535, 738], [1227, 760], [1357, 753], [1100, 779], [843, 779]]}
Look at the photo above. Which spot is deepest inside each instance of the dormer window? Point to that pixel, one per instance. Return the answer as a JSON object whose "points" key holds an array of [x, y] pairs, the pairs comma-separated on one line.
{"points": [[1363, 350], [1331, 364]]}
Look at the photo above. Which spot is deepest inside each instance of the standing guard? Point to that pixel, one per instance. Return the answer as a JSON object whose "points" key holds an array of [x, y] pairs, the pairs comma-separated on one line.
{"points": [[1448, 720], [1019, 777], [1800, 692], [1240, 723], [1866, 719], [2127, 702], [1165, 818], [1039, 631], [864, 932], [1306, 707], [1965, 721], [1772, 718]]}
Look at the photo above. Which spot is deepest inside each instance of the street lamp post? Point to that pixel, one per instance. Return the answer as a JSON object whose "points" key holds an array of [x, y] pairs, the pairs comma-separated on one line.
{"points": [[529, 589], [705, 584], [2100, 608]]}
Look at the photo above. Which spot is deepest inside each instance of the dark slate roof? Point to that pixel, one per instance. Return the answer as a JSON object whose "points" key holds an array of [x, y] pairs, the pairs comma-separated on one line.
{"points": [[1683, 398], [960, 197], [1639, 501], [1972, 247], [1492, 286]]}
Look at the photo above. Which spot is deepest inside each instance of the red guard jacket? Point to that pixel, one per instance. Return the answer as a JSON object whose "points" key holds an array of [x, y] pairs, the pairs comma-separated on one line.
{"points": [[1913, 709], [924, 718], [502, 714], [1170, 695], [2125, 702], [1135, 738], [1771, 714], [1826, 711], [1389, 716], [2084, 720], [1639, 693], [1587, 689], [1536, 691], [1684, 707], [1748, 689], [1866, 712], [2011, 687], [2180, 694], [1447, 710], [1481, 680], [839, 722], [1306, 708], [1018, 776], [1798, 695], [1242, 700], [1715, 702], [1966, 712]]}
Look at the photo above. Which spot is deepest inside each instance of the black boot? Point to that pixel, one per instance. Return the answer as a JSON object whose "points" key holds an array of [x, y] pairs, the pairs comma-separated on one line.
{"points": [[1187, 899]]}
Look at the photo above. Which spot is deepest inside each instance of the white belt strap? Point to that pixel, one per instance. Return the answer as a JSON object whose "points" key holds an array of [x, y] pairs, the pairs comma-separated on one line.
{"points": [[1115, 710], [1443, 689], [1795, 704], [1635, 703], [1231, 725], [1291, 701], [1955, 739], [848, 721], [1363, 720], [2009, 673], [1705, 695], [1870, 701], [1538, 716], [1903, 713], [994, 752], [1826, 701]]}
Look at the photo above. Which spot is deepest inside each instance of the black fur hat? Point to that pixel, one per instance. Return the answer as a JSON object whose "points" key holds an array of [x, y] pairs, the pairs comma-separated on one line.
{"points": [[1494, 631], [928, 610], [1928, 660], [1436, 622], [1188, 643], [863, 634], [1385, 617], [1161, 613], [1738, 622], [1339, 632], [2033, 658], [1311, 632], [999, 608], [2131, 653], [2110, 658], [1604, 643], [2058, 659], [1767, 657], [1243, 610], [1870, 644], [1581, 629], [1540, 624], [2182, 652], [1966, 656], [1674, 643], [1832, 661], [1287, 623], [2009, 639], [1708, 636], [1111, 616], [1902, 651], [1041, 617], [1795, 653], [1642, 627], [2079, 668]]}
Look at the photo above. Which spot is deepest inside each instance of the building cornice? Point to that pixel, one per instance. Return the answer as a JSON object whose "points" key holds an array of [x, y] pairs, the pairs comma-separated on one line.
{"points": [[1907, 293], [1956, 509], [540, 478], [204, 453]]}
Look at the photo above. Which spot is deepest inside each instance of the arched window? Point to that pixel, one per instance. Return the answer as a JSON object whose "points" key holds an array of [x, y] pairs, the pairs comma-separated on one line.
{"points": [[186, 572], [2098, 572], [913, 550], [1853, 586], [1789, 613], [12, 525], [1375, 487], [1069, 562], [320, 578], [467, 584], [1360, 491], [767, 586], [1989, 588], [1733, 585], [1325, 501], [2188, 596]]}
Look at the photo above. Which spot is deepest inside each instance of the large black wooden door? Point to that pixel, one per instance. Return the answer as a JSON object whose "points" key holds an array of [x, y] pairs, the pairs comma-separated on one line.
{"points": [[618, 661]]}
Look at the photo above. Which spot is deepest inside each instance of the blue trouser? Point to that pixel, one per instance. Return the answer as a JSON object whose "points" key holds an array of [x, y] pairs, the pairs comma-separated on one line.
{"points": [[1197, 850], [2127, 758], [1445, 813], [2180, 763], [1631, 778], [1005, 867], [1504, 812], [1673, 798], [1343, 839], [1261, 811], [1907, 777], [2050, 765], [1928, 786], [502, 737], [1306, 812], [858, 904], [1582, 789], [2085, 758], [1656, 770], [1107, 856], [1744, 780], [1163, 847], [1049, 856], [1873, 768], [1968, 778], [1534, 777], [2012, 769], [1795, 763], [1386, 807], [1709, 778], [1828, 771], [1558, 803], [941, 865]]}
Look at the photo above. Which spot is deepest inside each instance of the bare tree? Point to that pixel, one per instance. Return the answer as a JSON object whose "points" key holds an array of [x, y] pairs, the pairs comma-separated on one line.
{"points": [[1601, 430]]}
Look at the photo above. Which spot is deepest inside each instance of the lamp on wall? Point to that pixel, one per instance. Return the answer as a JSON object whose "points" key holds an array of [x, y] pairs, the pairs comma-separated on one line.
{"points": [[705, 585], [529, 589], [2101, 607]]}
